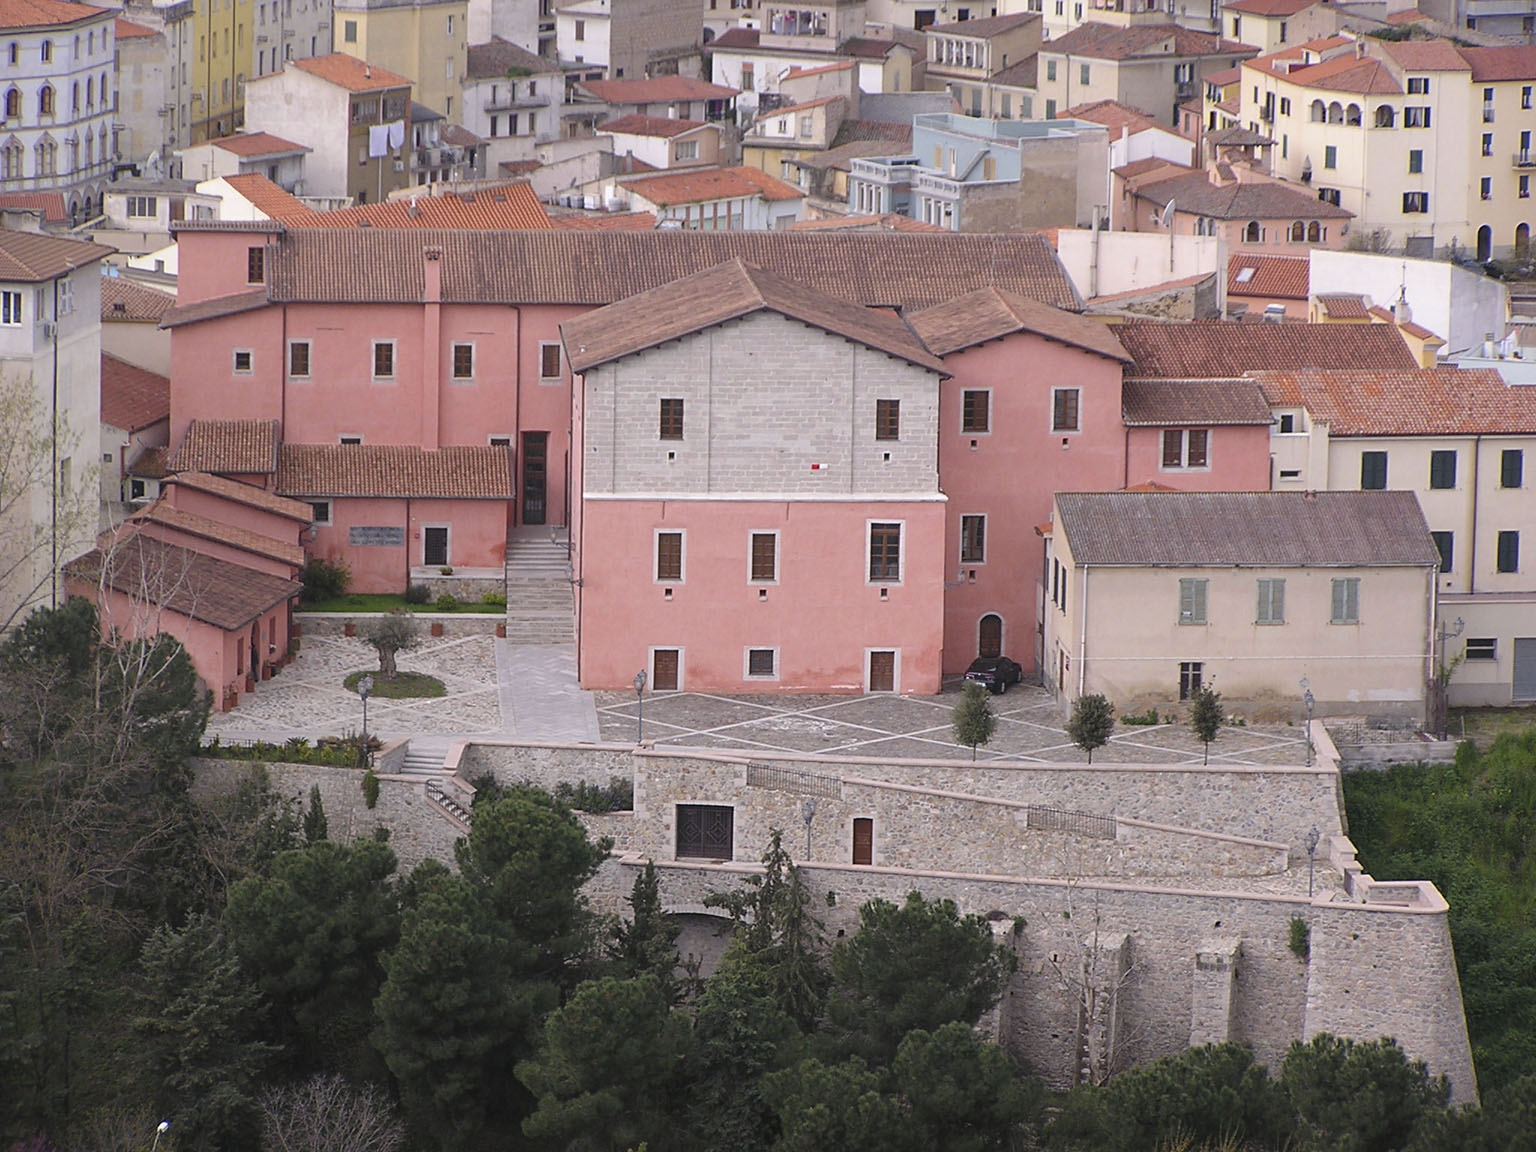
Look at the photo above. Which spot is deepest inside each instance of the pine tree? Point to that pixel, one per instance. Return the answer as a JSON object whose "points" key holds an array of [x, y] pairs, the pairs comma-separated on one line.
{"points": [[1092, 723], [315, 827], [973, 719]]}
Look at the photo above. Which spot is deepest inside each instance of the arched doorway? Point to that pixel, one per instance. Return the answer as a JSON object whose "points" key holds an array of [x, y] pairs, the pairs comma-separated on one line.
{"points": [[1484, 243], [989, 635], [1523, 240]]}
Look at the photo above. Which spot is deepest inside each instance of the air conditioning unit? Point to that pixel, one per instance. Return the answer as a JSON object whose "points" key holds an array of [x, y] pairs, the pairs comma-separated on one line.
{"points": [[47, 331]]}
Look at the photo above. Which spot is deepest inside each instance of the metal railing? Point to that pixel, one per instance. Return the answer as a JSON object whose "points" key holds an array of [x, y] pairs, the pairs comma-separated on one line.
{"points": [[1042, 819], [794, 780]]}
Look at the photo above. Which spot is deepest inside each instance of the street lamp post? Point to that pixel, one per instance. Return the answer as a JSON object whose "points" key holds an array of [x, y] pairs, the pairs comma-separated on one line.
{"points": [[160, 1130], [1310, 702], [808, 812], [640, 707], [1312, 838], [364, 687]]}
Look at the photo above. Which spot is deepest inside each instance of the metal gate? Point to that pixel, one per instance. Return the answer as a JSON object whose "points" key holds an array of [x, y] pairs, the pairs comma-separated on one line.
{"points": [[1525, 668]]}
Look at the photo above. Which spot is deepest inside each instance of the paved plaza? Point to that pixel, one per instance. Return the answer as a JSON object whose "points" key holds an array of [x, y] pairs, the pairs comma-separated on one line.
{"points": [[500, 690]]}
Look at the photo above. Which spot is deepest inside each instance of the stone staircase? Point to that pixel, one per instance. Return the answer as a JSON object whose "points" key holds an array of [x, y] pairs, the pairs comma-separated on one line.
{"points": [[540, 608], [425, 755]]}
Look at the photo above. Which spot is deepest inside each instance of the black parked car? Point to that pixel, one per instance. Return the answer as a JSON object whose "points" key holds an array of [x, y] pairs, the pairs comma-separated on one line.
{"points": [[996, 672]]}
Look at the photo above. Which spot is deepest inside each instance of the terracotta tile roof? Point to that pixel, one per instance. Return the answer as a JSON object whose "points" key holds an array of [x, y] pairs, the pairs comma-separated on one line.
{"points": [[248, 446], [890, 222], [1237, 136], [730, 291], [1278, 277], [1340, 74], [991, 313], [132, 398], [270, 199], [1240, 200], [560, 266], [458, 136], [1022, 74], [217, 592], [1261, 529], [31, 258], [1490, 65], [1225, 76], [128, 30], [736, 38], [1415, 402], [1156, 403], [396, 471], [841, 156], [1420, 332], [1343, 305], [258, 144], [1424, 55], [608, 222], [987, 25], [787, 109], [50, 204], [660, 126], [874, 48], [149, 464], [852, 130], [214, 308], [657, 90], [1218, 349], [496, 58], [520, 167], [350, 73], [247, 494], [502, 206], [205, 528], [1268, 7], [1138, 168], [19, 14], [1114, 116], [122, 300], [1107, 42], [698, 186], [818, 70]]}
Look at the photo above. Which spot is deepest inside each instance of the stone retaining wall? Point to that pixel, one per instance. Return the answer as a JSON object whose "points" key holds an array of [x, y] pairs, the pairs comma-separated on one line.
{"points": [[545, 764], [454, 624]]}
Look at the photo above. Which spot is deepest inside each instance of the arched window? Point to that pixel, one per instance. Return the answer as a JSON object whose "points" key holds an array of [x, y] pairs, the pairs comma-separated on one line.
{"points": [[1314, 232], [45, 51], [1298, 232], [1352, 115], [74, 96], [74, 154], [1522, 240], [13, 104], [77, 48], [1335, 113], [1386, 116], [45, 101], [90, 42], [1318, 113], [47, 158], [10, 162], [90, 150], [90, 92], [1253, 233]]}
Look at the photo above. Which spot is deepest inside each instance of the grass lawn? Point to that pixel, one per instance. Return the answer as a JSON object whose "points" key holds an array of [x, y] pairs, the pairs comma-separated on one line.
{"points": [[400, 686], [1483, 725], [354, 602]]}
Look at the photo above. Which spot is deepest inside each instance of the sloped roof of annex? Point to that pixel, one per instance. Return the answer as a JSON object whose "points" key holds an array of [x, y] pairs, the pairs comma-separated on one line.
{"points": [[1415, 402], [991, 313], [1223, 349]]}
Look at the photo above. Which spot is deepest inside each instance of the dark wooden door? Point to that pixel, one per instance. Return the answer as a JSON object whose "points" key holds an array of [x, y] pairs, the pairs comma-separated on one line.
{"points": [[434, 547], [882, 671], [664, 670], [535, 476], [705, 831], [989, 635], [863, 840]]}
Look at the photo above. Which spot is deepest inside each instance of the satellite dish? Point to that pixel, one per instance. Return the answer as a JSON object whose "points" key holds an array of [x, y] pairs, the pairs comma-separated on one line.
{"points": [[1165, 218]]}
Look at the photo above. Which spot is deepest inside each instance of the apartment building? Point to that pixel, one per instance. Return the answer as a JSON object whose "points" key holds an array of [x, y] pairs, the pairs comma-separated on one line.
{"points": [[289, 30], [426, 41], [57, 98], [988, 65], [1272, 25], [511, 100], [225, 51], [631, 39], [153, 53]]}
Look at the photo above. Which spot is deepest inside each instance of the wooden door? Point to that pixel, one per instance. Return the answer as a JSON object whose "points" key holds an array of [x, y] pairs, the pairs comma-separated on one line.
{"points": [[882, 671], [664, 665], [535, 476], [863, 840], [989, 635], [434, 548]]}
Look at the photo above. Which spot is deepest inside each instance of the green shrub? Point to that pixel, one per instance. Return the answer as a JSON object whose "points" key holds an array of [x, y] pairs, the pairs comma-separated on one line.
{"points": [[1301, 937], [417, 594], [1142, 719], [447, 602], [494, 600], [331, 751], [370, 788], [324, 580], [618, 796]]}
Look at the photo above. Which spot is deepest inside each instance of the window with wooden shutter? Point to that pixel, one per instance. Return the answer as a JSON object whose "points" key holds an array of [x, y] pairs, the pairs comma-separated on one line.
{"points": [[884, 553], [298, 358], [1064, 409], [1192, 593], [975, 410], [549, 361], [887, 419], [463, 361], [1345, 607], [1511, 468], [671, 419], [1373, 471], [383, 358], [1271, 602], [973, 539], [765, 557], [1508, 557], [669, 556]]}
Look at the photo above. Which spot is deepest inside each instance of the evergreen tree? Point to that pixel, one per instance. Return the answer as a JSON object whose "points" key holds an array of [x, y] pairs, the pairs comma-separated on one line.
{"points": [[1205, 717], [315, 827], [974, 722], [646, 944], [1092, 723]]}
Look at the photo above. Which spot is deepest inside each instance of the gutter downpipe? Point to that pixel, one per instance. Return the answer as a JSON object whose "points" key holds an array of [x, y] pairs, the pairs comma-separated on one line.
{"points": [[1477, 452], [1082, 637], [53, 442]]}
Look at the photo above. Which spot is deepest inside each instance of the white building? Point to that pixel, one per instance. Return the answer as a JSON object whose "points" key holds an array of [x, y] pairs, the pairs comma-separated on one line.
{"points": [[50, 370], [57, 84], [280, 161], [288, 30], [512, 100], [153, 54]]}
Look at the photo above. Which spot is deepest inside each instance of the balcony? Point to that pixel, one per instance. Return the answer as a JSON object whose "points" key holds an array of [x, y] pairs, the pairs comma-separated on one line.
{"points": [[507, 103], [1526, 159]]}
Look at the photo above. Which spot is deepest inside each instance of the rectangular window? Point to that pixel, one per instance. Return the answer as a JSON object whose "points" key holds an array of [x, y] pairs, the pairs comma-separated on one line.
{"points": [[1192, 600], [1416, 117], [705, 831], [1415, 202], [142, 206], [256, 265], [243, 361], [1330, 156], [1511, 468], [1445, 544], [1186, 448], [1485, 188], [1416, 160], [1418, 85], [1482, 648], [975, 410], [298, 358], [973, 539], [887, 419], [1509, 552], [1487, 143], [1442, 468], [1373, 471], [1271, 602], [671, 419], [762, 662], [1523, 188], [1345, 601], [1050, 70], [765, 557], [349, 31], [549, 361], [322, 510], [1064, 409], [463, 361], [669, 557], [1191, 678], [383, 359], [1082, 74], [10, 308], [884, 553]]}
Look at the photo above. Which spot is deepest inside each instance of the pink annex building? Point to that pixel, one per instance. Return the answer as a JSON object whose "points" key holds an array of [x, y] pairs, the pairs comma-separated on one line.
{"points": [[787, 461]]}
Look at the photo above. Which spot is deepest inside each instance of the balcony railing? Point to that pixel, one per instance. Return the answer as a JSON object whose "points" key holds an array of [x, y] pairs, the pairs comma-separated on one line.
{"points": [[1526, 159]]}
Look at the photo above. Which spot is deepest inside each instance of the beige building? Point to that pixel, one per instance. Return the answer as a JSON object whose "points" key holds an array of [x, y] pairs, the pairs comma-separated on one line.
{"points": [[1271, 25], [1458, 440], [1151, 596], [1154, 68], [423, 40], [986, 64]]}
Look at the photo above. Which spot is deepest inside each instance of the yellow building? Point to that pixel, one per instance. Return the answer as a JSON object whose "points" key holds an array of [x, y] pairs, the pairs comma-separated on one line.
{"points": [[424, 41], [222, 32]]}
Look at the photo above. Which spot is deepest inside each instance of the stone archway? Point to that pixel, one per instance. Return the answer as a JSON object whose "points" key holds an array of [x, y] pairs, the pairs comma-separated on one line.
{"points": [[989, 635]]}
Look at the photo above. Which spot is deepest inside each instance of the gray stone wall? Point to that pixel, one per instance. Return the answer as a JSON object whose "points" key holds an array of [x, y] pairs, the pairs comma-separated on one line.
{"points": [[454, 624], [546, 765], [764, 398]]}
